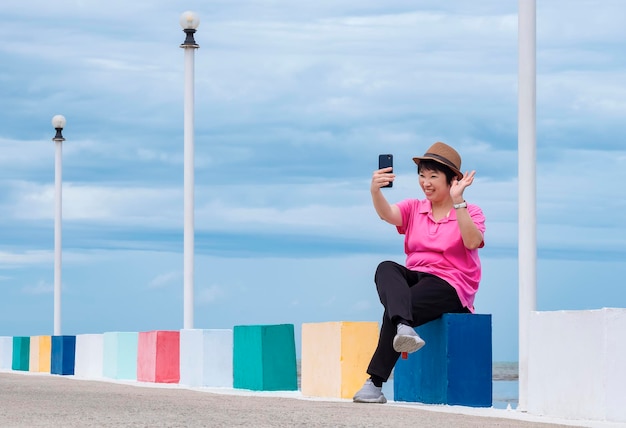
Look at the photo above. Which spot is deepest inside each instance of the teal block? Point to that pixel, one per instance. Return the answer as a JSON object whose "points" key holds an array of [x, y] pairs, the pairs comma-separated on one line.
{"points": [[63, 355], [264, 358], [120, 355], [21, 353], [455, 366]]}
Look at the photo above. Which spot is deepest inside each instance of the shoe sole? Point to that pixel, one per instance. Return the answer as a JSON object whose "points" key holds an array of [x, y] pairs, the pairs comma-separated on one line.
{"points": [[380, 400], [408, 344]]}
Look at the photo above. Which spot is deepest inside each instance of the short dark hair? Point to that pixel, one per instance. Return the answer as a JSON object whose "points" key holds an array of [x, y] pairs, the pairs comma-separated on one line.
{"points": [[430, 165]]}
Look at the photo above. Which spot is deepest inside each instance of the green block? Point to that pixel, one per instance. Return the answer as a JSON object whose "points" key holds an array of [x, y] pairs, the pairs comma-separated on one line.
{"points": [[21, 353], [264, 358]]}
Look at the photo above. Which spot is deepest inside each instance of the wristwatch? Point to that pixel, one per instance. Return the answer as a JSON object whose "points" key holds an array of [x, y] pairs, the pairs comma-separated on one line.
{"points": [[461, 205]]}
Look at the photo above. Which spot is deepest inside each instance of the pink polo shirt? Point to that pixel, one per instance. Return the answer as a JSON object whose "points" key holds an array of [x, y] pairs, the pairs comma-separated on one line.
{"points": [[437, 247]]}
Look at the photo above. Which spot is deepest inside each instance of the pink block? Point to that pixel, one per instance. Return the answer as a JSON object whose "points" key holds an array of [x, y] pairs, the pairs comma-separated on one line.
{"points": [[158, 356]]}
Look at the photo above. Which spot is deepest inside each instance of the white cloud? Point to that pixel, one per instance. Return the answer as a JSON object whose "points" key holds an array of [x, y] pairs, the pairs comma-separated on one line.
{"points": [[343, 210], [96, 203], [209, 295], [165, 279], [559, 22], [362, 305], [12, 259], [591, 95], [150, 155], [42, 287], [113, 65], [24, 154]]}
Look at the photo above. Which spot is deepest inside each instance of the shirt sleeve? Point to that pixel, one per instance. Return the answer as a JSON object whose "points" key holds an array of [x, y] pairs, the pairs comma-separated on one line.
{"points": [[406, 210], [479, 220]]}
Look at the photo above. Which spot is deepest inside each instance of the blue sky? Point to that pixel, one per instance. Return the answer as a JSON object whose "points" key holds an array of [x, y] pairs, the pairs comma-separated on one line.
{"points": [[294, 102]]}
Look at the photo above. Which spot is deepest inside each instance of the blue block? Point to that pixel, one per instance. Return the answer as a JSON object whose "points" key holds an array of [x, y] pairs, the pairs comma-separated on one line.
{"points": [[455, 366], [63, 355]]}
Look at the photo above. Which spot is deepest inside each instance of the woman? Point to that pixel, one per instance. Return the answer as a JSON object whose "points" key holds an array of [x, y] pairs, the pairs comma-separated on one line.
{"points": [[442, 236]]}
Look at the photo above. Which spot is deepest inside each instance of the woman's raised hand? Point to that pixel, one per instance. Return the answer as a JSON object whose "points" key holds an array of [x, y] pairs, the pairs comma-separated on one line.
{"points": [[458, 186], [381, 178]]}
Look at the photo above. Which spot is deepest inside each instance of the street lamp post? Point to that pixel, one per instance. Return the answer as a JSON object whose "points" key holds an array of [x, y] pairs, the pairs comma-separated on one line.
{"points": [[189, 21], [527, 186], [58, 122]]}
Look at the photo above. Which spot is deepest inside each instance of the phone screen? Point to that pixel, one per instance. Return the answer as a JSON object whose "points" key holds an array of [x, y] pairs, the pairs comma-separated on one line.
{"points": [[385, 161]]}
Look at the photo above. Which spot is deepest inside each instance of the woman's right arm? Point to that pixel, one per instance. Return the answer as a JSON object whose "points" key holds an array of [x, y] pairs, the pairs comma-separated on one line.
{"points": [[390, 213]]}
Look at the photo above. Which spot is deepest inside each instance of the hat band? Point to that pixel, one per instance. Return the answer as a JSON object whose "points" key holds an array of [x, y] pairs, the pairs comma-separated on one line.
{"points": [[442, 159]]}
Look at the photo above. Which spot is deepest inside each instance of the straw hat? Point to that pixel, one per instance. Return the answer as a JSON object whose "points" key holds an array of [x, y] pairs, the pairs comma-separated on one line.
{"points": [[445, 155]]}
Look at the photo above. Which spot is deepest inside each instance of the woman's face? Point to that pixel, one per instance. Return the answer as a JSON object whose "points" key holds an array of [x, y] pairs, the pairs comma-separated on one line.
{"points": [[434, 184]]}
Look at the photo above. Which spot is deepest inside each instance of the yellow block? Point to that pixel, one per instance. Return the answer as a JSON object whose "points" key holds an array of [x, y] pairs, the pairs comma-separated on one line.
{"points": [[45, 353], [33, 359], [335, 356]]}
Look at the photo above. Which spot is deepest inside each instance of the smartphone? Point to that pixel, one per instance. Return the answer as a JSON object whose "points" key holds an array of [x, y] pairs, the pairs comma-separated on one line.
{"points": [[385, 161]]}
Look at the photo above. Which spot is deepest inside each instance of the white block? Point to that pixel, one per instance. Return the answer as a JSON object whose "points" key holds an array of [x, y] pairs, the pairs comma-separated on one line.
{"points": [[89, 356], [206, 358], [6, 352], [575, 366], [615, 365]]}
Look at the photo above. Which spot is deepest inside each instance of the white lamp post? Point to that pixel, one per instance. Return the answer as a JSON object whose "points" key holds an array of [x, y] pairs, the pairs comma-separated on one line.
{"points": [[58, 122], [189, 21], [527, 141]]}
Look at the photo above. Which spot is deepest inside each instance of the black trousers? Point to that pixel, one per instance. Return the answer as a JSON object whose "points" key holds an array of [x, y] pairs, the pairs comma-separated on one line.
{"points": [[412, 297]]}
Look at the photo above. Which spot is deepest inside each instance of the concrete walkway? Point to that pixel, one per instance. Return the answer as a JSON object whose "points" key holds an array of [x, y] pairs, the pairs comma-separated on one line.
{"points": [[44, 400]]}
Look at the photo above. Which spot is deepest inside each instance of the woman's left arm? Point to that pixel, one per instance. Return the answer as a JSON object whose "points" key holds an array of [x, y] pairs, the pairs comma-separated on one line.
{"points": [[472, 237]]}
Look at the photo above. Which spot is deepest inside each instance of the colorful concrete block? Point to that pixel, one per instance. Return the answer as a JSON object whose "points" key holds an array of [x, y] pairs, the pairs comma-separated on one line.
{"points": [[89, 356], [576, 365], [6, 352], [264, 357], [158, 356], [63, 354], [21, 353], [335, 356], [33, 363], [45, 350], [206, 358], [120, 355], [453, 368]]}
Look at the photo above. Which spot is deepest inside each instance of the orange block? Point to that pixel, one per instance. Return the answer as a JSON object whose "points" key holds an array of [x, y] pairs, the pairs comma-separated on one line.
{"points": [[45, 352], [40, 354], [335, 356]]}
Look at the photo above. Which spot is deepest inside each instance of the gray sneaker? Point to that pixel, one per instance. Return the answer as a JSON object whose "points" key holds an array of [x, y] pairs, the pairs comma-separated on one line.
{"points": [[407, 340], [370, 393]]}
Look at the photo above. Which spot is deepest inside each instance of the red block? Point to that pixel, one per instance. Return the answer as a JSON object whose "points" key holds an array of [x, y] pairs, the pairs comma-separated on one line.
{"points": [[158, 356]]}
